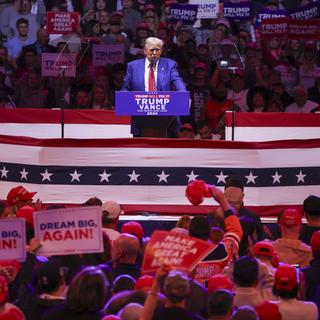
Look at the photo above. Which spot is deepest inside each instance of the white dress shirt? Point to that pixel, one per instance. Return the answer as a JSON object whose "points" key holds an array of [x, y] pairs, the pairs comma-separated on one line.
{"points": [[146, 74]]}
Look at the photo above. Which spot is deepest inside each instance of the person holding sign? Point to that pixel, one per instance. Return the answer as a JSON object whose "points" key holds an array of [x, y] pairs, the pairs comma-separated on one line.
{"points": [[153, 73]]}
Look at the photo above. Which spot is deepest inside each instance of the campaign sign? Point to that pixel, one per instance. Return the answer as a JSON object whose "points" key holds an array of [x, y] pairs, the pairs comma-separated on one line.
{"points": [[274, 28], [207, 9], [103, 54], [304, 29], [69, 231], [161, 103], [270, 13], [13, 239], [187, 13], [176, 250], [309, 11], [58, 64], [63, 22], [237, 11]]}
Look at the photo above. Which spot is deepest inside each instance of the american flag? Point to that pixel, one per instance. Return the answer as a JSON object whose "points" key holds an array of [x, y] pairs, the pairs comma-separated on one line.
{"points": [[151, 174]]}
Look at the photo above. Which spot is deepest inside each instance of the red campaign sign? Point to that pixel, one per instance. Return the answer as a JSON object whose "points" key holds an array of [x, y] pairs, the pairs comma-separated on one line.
{"points": [[274, 28], [63, 22], [176, 250], [304, 29]]}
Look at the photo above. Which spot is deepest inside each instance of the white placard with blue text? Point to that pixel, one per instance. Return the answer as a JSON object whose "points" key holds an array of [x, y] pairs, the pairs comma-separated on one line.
{"points": [[13, 239], [69, 231], [207, 9]]}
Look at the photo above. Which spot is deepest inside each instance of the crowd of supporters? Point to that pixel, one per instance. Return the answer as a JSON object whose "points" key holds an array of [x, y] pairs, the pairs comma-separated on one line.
{"points": [[279, 75], [252, 272]]}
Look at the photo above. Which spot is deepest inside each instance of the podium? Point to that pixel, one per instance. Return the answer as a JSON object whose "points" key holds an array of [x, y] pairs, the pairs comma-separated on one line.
{"points": [[153, 114]]}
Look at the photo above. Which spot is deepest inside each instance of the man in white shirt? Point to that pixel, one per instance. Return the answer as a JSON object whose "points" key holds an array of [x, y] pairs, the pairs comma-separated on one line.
{"points": [[301, 102]]}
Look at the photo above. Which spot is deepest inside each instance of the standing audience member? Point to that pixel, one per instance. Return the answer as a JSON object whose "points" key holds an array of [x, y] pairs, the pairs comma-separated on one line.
{"points": [[288, 247], [220, 305], [286, 287]]}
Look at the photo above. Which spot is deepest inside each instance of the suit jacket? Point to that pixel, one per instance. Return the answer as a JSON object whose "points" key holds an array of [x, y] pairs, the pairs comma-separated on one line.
{"points": [[167, 76]]}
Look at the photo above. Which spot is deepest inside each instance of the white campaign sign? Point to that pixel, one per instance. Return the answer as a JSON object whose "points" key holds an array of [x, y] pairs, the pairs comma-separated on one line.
{"points": [[69, 231], [13, 239]]}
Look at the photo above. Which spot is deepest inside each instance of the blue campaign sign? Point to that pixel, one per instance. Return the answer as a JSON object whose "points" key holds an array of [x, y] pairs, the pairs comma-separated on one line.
{"points": [[162, 103]]}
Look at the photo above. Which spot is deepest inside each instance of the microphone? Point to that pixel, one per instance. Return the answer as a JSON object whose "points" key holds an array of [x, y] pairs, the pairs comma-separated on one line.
{"points": [[153, 62]]}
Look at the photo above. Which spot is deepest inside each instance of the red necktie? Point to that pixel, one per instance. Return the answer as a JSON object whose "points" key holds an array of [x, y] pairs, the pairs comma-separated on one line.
{"points": [[151, 81]]}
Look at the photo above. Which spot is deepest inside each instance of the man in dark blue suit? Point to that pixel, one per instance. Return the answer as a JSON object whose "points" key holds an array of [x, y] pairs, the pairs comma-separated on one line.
{"points": [[152, 74]]}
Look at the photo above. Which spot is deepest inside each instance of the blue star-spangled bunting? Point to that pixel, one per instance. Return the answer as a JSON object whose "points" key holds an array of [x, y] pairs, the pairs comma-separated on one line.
{"points": [[174, 176]]}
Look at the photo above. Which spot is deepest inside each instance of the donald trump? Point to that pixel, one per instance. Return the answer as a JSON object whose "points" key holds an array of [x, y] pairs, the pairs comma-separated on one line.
{"points": [[153, 73]]}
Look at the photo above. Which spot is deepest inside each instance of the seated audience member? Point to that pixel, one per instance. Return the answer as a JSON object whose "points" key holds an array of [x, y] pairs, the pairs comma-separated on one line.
{"points": [[50, 288], [186, 131], [286, 287], [301, 102], [85, 297], [257, 99], [312, 273], [125, 252], [220, 305], [245, 313], [31, 93], [311, 208], [288, 247], [205, 131], [100, 99], [81, 100], [245, 277], [22, 39]]}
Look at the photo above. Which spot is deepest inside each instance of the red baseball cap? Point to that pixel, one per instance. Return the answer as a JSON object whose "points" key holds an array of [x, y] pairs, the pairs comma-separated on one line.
{"points": [[3, 289], [291, 218], [315, 241], [133, 227], [144, 282], [12, 314], [285, 277], [142, 25], [111, 317], [219, 281], [264, 248], [27, 213], [18, 194], [268, 310]]}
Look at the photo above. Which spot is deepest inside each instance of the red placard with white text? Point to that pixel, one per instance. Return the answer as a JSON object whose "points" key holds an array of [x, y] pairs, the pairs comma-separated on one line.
{"points": [[176, 250], [69, 231], [63, 22], [304, 29], [13, 239]]}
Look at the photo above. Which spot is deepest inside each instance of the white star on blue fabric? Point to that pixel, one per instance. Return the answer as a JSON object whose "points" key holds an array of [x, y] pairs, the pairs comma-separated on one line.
{"points": [[192, 176], [276, 178], [24, 174], [251, 178], [75, 176], [46, 175], [221, 177], [300, 177], [134, 176], [104, 176], [163, 176], [4, 172]]}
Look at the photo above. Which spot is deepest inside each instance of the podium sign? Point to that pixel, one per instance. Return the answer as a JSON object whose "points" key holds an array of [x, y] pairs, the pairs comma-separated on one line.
{"points": [[164, 103]]}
